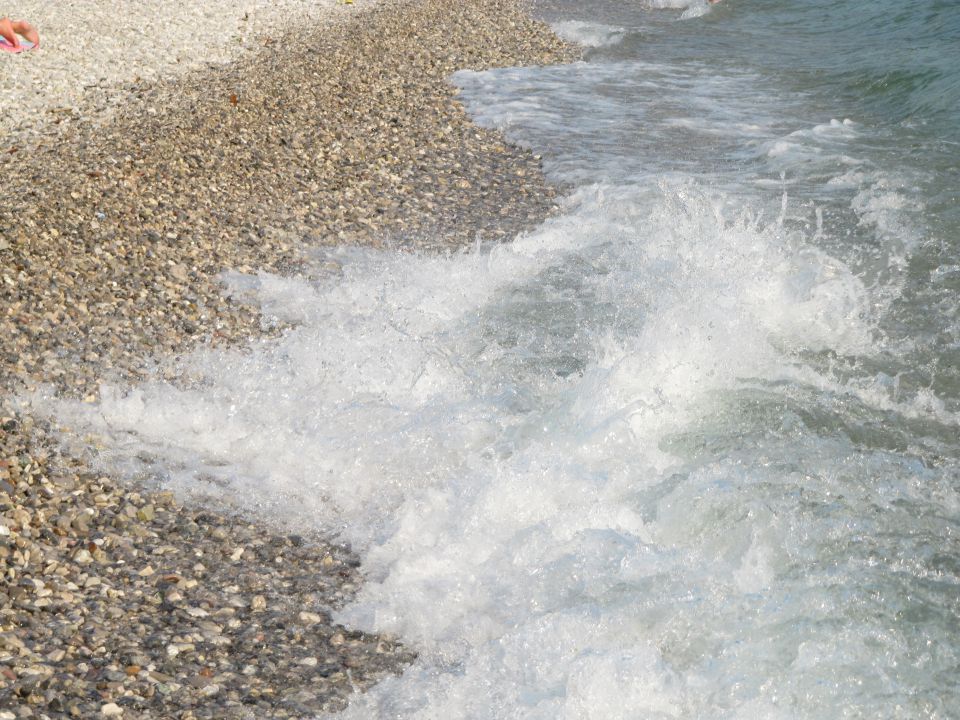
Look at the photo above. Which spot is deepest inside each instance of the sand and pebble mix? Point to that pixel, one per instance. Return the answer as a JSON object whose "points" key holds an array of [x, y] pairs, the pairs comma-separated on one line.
{"points": [[95, 52], [117, 219]]}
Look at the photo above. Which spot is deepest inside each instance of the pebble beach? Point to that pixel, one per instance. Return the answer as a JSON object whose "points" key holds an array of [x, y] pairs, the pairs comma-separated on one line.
{"points": [[136, 167]]}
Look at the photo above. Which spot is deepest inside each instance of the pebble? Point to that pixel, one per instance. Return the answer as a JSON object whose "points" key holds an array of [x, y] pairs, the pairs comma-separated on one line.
{"points": [[310, 618]]}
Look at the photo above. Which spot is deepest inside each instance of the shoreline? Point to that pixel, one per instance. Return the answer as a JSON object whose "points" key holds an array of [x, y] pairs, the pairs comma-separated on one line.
{"points": [[121, 601]]}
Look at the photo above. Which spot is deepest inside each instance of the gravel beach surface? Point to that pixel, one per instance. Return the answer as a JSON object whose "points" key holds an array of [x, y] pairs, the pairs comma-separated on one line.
{"points": [[95, 53], [115, 225]]}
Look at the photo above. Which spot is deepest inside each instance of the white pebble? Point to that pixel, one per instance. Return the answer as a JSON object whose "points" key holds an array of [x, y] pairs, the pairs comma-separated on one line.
{"points": [[309, 617]]}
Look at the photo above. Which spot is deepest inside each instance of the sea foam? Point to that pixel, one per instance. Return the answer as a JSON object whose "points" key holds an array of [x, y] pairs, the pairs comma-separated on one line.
{"points": [[503, 437]]}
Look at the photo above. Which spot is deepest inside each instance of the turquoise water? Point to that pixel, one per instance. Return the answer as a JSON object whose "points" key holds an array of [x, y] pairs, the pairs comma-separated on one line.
{"points": [[689, 450]]}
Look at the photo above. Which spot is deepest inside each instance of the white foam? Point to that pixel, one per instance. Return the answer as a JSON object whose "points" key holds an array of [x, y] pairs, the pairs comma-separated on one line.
{"points": [[823, 144], [493, 433], [674, 4], [588, 34], [846, 129], [884, 204]]}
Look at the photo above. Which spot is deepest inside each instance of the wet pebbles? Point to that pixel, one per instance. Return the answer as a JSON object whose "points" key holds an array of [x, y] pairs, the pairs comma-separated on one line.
{"points": [[125, 602], [118, 602]]}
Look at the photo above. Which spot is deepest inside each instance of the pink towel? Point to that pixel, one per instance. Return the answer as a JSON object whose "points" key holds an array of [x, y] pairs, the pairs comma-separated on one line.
{"points": [[6, 46]]}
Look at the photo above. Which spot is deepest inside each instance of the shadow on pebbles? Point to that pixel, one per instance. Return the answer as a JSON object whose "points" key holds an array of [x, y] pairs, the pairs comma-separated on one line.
{"points": [[119, 602]]}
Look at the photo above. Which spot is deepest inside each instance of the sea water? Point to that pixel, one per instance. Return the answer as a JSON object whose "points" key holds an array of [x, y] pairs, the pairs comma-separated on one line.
{"points": [[689, 450]]}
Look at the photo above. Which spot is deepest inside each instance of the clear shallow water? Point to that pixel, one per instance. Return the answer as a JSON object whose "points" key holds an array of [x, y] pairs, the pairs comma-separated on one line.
{"points": [[690, 450]]}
